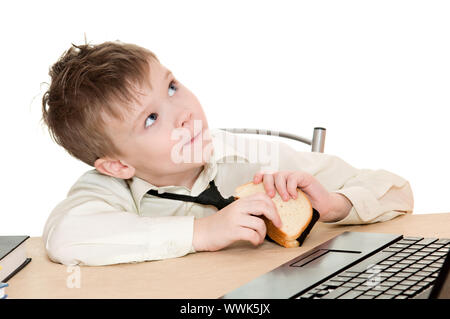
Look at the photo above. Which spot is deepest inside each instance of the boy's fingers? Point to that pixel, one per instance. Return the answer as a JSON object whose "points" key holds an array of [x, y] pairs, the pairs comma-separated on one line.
{"points": [[249, 235], [280, 183], [255, 223], [257, 178], [292, 186], [303, 179], [263, 205], [269, 185]]}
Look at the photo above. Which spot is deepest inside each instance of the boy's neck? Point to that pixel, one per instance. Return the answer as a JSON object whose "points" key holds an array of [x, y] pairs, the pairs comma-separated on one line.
{"points": [[186, 179]]}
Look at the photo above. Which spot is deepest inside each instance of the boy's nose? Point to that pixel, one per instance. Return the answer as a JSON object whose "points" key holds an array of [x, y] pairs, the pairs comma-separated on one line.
{"points": [[184, 119]]}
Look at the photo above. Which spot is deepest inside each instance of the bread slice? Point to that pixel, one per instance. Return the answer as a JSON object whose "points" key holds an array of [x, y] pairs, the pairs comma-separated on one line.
{"points": [[297, 216]]}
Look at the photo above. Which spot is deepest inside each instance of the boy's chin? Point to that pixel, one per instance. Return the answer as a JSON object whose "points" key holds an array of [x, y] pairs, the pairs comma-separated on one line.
{"points": [[194, 164], [195, 159]]}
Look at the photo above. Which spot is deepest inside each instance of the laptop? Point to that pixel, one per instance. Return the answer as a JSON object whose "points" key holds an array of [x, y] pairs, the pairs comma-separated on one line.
{"points": [[357, 265]]}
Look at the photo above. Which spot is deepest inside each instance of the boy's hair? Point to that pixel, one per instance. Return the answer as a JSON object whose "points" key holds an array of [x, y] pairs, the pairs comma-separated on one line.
{"points": [[88, 82]]}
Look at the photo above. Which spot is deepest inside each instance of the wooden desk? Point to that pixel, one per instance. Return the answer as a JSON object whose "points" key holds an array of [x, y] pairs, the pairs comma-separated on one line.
{"points": [[199, 275]]}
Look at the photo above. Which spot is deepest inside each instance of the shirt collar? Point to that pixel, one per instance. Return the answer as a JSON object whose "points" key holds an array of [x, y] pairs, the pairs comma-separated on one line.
{"points": [[226, 149]]}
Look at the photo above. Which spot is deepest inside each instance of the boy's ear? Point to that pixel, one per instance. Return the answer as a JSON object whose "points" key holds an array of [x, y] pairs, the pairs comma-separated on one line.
{"points": [[115, 168]]}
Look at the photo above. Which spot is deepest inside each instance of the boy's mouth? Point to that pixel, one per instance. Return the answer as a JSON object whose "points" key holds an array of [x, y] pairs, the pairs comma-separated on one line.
{"points": [[194, 138]]}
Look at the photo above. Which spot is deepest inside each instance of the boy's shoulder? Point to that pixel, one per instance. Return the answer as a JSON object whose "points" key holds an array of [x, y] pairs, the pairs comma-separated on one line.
{"points": [[93, 179]]}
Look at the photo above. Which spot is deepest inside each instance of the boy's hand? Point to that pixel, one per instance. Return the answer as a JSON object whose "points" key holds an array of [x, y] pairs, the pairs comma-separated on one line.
{"points": [[235, 222], [331, 206]]}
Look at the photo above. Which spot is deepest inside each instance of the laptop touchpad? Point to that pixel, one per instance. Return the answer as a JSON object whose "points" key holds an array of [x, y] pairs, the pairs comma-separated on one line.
{"points": [[325, 255]]}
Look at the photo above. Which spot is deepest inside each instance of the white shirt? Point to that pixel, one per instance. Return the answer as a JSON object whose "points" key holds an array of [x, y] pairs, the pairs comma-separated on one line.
{"points": [[106, 220]]}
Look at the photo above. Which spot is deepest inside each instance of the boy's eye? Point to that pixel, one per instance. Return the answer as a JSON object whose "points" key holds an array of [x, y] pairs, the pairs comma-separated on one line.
{"points": [[172, 87], [153, 116], [150, 118]]}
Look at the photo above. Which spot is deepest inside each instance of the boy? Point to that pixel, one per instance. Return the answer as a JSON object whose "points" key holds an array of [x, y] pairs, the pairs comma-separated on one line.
{"points": [[116, 108]]}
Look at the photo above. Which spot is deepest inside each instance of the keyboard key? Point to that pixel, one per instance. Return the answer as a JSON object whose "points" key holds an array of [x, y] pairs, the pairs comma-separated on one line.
{"points": [[366, 275], [431, 257], [402, 274], [408, 282], [308, 295], [336, 293], [436, 246], [321, 287], [363, 287], [314, 291], [391, 250], [414, 257], [350, 295], [350, 285], [373, 293], [438, 253], [393, 292], [388, 284], [385, 274], [401, 246], [404, 242], [401, 287], [364, 297], [443, 241], [350, 274], [384, 296], [381, 267], [415, 288], [339, 278], [395, 278], [333, 283], [357, 280], [420, 253], [322, 293], [410, 293], [433, 269], [416, 277], [413, 238], [392, 270], [426, 241], [394, 258], [380, 288], [424, 273], [416, 266], [401, 297], [437, 264]]}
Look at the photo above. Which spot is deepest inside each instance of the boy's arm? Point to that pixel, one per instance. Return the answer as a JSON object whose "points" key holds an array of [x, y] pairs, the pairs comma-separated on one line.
{"points": [[97, 225], [376, 195]]}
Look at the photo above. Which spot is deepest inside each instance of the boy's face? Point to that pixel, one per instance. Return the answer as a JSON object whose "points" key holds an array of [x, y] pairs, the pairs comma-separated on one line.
{"points": [[155, 136]]}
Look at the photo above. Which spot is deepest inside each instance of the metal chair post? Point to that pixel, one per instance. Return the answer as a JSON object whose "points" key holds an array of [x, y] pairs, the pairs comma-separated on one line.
{"points": [[317, 142]]}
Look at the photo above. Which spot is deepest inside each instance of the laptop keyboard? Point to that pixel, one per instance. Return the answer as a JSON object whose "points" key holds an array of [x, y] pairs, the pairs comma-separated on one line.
{"points": [[402, 270]]}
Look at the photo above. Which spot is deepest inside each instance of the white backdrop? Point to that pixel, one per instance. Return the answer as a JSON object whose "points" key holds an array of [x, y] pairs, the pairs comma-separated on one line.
{"points": [[374, 73]]}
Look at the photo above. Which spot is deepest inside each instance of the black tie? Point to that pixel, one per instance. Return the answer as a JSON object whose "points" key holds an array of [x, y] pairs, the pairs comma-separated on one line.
{"points": [[210, 196]]}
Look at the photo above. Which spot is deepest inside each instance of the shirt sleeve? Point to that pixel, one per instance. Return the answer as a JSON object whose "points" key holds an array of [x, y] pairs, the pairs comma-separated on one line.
{"points": [[97, 225], [376, 195]]}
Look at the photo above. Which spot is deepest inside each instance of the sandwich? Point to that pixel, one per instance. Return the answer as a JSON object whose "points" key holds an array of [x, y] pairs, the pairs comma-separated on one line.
{"points": [[297, 216]]}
